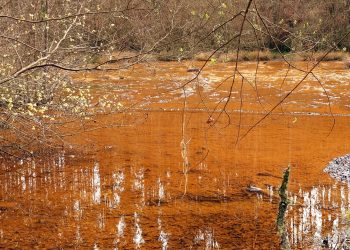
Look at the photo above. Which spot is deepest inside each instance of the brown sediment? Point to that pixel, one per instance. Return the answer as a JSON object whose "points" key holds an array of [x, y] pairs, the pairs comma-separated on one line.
{"points": [[135, 174]]}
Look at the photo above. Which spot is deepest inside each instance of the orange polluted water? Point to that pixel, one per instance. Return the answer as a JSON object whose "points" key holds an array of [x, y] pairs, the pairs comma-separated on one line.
{"points": [[130, 188]]}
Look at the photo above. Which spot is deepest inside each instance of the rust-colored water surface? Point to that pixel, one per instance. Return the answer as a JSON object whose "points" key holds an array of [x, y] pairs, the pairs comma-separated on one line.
{"points": [[167, 179]]}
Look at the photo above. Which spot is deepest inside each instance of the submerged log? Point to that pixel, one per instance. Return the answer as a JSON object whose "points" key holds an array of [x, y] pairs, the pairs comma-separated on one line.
{"points": [[254, 189], [193, 70]]}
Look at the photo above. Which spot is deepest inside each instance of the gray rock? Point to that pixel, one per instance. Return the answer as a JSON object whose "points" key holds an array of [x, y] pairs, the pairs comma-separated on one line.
{"points": [[339, 168]]}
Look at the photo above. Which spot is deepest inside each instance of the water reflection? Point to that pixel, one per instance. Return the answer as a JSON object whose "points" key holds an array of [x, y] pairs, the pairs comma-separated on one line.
{"points": [[163, 236], [139, 186], [78, 212], [161, 191], [78, 238], [129, 207], [206, 238], [96, 184], [138, 239], [120, 232], [320, 219], [118, 188]]}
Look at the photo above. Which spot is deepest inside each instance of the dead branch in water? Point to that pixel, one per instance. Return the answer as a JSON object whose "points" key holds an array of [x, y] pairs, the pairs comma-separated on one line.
{"points": [[283, 206]]}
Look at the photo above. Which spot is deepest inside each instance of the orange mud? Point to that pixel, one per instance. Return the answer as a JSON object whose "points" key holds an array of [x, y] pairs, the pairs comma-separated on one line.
{"points": [[130, 190]]}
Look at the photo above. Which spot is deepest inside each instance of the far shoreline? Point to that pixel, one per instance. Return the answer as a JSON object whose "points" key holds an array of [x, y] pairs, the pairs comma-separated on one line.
{"points": [[222, 57]]}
